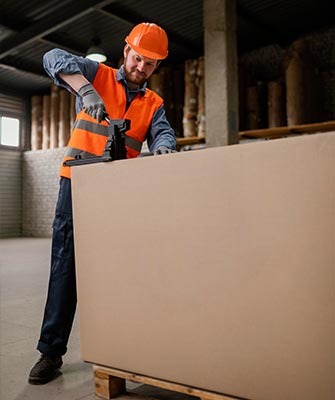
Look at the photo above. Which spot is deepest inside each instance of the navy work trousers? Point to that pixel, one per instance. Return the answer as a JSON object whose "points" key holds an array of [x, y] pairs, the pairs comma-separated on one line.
{"points": [[62, 296]]}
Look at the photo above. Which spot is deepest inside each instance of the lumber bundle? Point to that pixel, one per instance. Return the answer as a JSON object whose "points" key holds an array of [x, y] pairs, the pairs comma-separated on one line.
{"points": [[36, 122], [301, 85], [51, 119], [194, 98]]}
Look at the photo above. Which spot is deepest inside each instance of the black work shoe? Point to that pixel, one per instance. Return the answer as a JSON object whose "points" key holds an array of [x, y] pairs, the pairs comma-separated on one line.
{"points": [[45, 370]]}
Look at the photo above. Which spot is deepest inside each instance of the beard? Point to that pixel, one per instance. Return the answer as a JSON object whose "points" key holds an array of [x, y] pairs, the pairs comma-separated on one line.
{"points": [[133, 76]]}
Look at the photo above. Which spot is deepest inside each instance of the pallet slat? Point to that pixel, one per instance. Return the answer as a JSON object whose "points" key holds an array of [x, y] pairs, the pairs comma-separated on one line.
{"points": [[287, 130], [270, 133], [110, 383]]}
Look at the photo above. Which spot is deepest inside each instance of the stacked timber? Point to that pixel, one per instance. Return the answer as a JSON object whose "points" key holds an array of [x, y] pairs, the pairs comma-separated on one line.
{"points": [[242, 84], [64, 118], [201, 129], [276, 104], [52, 117], [36, 122], [194, 110], [46, 122], [191, 99], [292, 96], [178, 92], [302, 105], [256, 117]]}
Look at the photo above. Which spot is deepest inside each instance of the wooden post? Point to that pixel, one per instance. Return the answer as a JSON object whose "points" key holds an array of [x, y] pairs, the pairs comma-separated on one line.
{"points": [[191, 99], [256, 106], [46, 122], [242, 84], [294, 75], [64, 118], [302, 105], [178, 91], [162, 83], [276, 104], [36, 122], [201, 128], [54, 116]]}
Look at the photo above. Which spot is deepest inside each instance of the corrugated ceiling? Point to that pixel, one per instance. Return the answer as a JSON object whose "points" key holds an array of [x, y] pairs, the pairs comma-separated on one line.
{"points": [[29, 29]]}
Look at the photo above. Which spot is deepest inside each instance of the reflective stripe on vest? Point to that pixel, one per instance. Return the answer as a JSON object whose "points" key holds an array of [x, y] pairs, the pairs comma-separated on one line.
{"points": [[89, 137], [102, 130]]}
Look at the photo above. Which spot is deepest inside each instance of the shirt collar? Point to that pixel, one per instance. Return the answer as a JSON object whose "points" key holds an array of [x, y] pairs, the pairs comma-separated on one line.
{"points": [[120, 76]]}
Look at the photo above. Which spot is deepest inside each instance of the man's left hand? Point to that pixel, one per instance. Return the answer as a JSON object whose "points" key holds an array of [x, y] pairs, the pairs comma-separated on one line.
{"points": [[163, 150]]}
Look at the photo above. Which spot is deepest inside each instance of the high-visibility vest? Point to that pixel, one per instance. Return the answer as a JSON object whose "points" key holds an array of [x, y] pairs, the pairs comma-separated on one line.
{"points": [[88, 137]]}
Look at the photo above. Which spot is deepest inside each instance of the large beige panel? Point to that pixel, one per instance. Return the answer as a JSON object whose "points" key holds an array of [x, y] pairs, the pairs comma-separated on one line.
{"points": [[213, 268]]}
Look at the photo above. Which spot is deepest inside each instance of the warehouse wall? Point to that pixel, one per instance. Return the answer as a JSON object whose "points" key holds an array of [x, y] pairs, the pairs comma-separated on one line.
{"points": [[10, 193], [11, 167], [40, 189]]}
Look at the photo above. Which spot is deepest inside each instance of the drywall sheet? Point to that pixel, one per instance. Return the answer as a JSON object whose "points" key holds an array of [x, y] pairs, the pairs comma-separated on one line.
{"points": [[213, 268]]}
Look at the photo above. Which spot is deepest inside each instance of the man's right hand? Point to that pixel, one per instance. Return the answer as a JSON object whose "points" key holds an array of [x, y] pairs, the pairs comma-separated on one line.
{"points": [[92, 102]]}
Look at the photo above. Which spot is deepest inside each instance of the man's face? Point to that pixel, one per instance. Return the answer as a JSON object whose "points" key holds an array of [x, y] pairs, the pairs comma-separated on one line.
{"points": [[137, 68]]}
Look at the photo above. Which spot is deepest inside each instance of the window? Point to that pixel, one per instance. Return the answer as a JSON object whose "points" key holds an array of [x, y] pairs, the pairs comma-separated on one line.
{"points": [[9, 131]]}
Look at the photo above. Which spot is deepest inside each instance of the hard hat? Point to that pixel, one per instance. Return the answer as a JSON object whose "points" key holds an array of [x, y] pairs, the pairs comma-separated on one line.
{"points": [[148, 40]]}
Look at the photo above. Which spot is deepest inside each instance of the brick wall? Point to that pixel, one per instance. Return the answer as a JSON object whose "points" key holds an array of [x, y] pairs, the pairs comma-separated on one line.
{"points": [[40, 190]]}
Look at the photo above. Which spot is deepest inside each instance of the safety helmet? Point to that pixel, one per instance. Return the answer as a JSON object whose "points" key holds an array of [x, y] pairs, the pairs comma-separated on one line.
{"points": [[148, 40]]}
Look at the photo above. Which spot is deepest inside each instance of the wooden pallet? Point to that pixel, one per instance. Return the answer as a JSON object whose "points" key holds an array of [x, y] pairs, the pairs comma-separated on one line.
{"points": [[110, 383]]}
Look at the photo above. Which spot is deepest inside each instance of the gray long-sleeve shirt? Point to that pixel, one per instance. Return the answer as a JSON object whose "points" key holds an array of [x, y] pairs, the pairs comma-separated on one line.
{"points": [[58, 61]]}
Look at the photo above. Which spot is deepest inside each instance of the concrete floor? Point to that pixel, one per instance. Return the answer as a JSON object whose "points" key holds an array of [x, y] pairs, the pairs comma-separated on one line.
{"points": [[24, 271]]}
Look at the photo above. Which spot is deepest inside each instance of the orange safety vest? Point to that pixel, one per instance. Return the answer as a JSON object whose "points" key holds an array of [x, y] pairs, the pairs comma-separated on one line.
{"points": [[89, 137]]}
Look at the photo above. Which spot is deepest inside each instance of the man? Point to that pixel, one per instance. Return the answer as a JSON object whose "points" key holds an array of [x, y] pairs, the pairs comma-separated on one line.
{"points": [[100, 90]]}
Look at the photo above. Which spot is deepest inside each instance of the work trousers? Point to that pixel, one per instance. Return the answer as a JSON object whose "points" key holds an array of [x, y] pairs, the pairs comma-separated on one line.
{"points": [[62, 296]]}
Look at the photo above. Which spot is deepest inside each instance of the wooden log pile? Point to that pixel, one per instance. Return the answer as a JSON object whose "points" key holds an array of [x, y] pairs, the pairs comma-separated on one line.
{"points": [[291, 99], [191, 98], [302, 86], [194, 99], [201, 132], [51, 119]]}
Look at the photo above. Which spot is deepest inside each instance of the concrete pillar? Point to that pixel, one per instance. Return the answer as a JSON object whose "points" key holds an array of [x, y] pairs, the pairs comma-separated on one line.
{"points": [[221, 76]]}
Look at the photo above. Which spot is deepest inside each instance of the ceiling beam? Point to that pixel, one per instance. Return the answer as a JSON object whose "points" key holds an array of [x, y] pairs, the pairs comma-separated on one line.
{"points": [[118, 13], [54, 40], [28, 73], [49, 24], [271, 34]]}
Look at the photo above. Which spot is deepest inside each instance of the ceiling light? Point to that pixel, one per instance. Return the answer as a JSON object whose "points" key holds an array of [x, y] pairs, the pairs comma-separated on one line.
{"points": [[96, 53]]}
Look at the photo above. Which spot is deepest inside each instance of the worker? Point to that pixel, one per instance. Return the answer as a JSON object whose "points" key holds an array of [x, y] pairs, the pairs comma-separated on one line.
{"points": [[99, 90]]}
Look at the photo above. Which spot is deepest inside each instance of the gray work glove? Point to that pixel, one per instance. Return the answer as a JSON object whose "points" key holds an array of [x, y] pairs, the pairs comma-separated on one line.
{"points": [[163, 150], [92, 102]]}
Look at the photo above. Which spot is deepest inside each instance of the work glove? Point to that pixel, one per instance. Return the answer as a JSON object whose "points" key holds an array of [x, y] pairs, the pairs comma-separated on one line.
{"points": [[92, 102], [163, 150]]}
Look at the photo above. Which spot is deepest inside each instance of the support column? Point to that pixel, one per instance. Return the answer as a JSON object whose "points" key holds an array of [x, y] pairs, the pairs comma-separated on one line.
{"points": [[221, 77]]}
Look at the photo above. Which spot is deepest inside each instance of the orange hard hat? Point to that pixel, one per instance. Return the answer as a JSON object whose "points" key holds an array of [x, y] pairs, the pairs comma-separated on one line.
{"points": [[149, 40]]}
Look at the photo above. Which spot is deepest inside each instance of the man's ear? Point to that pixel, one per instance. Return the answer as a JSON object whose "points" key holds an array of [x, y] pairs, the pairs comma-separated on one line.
{"points": [[126, 50], [158, 63]]}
